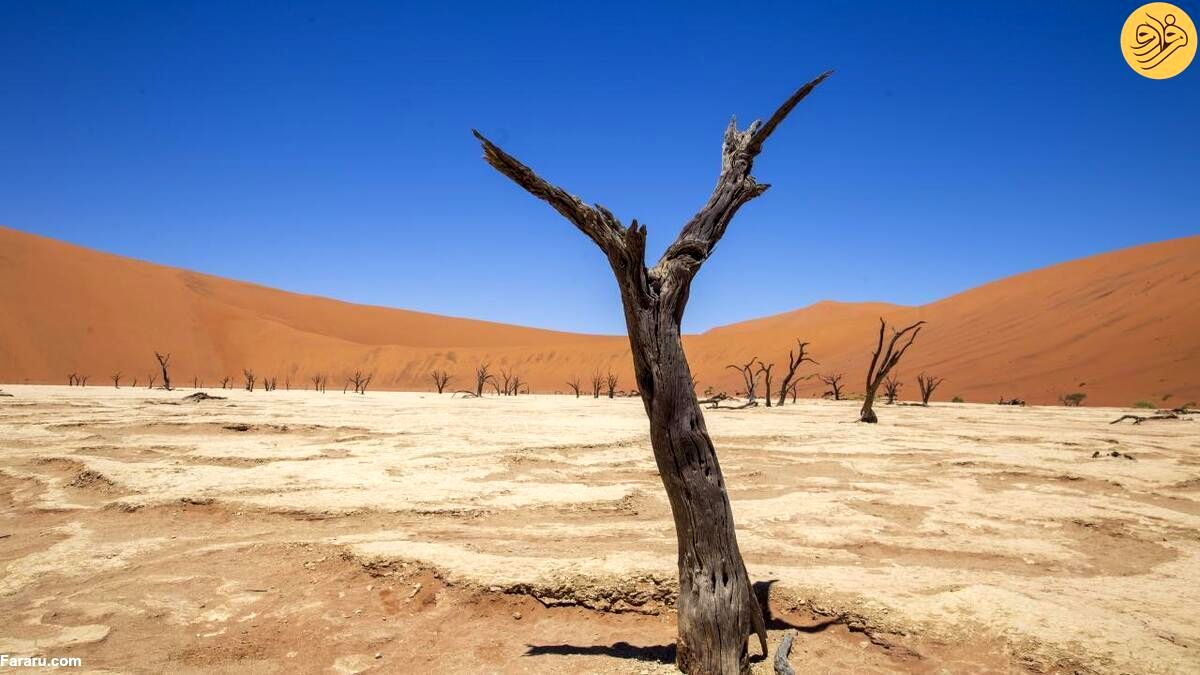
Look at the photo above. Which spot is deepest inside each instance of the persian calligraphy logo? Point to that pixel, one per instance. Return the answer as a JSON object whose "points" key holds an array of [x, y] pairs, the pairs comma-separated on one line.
{"points": [[1158, 40]]}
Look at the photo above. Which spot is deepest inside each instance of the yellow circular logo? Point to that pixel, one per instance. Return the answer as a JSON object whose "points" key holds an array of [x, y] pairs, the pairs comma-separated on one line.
{"points": [[1158, 40]]}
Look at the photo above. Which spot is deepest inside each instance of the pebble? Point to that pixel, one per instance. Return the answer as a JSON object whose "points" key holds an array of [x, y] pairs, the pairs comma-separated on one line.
{"points": [[517, 616]]}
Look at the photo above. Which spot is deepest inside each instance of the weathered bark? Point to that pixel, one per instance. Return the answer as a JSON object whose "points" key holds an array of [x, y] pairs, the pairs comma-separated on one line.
{"points": [[795, 358], [163, 361], [717, 608], [782, 667], [880, 367]]}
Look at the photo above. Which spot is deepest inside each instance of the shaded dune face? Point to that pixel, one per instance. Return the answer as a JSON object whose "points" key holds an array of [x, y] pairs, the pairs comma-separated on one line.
{"points": [[1119, 327]]}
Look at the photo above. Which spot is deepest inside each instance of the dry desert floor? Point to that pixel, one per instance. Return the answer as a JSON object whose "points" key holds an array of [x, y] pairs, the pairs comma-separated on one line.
{"points": [[399, 532]]}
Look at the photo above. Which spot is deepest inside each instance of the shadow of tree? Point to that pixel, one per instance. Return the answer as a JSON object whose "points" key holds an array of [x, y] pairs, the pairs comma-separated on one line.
{"points": [[620, 650], [666, 653]]}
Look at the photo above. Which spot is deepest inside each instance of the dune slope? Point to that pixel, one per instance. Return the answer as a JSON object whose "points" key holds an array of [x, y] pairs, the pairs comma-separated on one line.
{"points": [[1118, 326]]}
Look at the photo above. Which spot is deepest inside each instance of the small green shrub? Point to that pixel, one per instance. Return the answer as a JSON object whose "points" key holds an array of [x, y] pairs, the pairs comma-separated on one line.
{"points": [[958, 399], [1144, 404], [1073, 399]]}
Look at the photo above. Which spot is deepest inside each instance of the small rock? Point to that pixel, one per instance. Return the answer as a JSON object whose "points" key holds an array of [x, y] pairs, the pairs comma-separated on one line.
{"points": [[517, 616], [378, 655]]}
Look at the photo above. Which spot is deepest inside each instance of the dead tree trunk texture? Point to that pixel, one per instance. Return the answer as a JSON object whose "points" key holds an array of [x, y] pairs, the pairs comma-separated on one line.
{"points": [[163, 361], [717, 608], [749, 378], [927, 383], [764, 369], [880, 367]]}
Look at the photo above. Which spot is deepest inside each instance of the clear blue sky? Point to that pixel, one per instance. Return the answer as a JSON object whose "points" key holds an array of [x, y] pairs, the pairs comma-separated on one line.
{"points": [[325, 147]]}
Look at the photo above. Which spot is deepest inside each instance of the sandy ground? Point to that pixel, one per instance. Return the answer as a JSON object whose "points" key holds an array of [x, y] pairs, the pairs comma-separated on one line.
{"points": [[298, 532]]}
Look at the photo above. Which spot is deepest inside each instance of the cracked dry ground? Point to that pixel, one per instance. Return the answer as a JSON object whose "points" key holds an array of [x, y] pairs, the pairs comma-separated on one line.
{"points": [[298, 532]]}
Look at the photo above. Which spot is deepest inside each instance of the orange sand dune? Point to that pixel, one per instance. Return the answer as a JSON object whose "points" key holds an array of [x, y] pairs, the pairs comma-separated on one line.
{"points": [[1120, 327]]}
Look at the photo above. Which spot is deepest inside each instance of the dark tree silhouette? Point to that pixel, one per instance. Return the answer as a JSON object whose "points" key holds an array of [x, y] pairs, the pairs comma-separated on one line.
{"points": [[134, 383], [83, 380], [72, 379], [152, 379], [574, 384], [882, 363], [116, 378], [319, 382], [891, 389], [764, 369], [834, 382], [717, 609], [597, 384], [225, 382], [360, 381], [927, 383], [795, 358], [483, 376], [440, 379], [163, 362], [250, 378], [610, 384], [749, 378]]}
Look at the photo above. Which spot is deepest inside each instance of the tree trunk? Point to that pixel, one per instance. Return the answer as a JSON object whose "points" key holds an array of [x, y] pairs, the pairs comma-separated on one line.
{"points": [[717, 608], [867, 414]]}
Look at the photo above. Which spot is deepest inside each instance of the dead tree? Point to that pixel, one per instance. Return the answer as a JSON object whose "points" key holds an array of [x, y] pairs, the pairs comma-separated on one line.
{"points": [[483, 376], [151, 378], [134, 383], [882, 363], [360, 381], [440, 379], [574, 384], [795, 358], [116, 378], [250, 378], [764, 369], [195, 382], [834, 382], [72, 379], [225, 382], [597, 384], [928, 383], [270, 383], [750, 378], [610, 384], [891, 389], [163, 361], [515, 385], [83, 380], [717, 608]]}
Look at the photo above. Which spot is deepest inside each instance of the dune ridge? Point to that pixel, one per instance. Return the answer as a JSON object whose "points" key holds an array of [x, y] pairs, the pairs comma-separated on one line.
{"points": [[1119, 326]]}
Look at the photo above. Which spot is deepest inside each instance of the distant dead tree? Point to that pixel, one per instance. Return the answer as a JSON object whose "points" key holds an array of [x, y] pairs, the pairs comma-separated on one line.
{"points": [[116, 378], [928, 383], [574, 384], [597, 384], [319, 382], [508, 382], [82, 379], [717, 608], [750, 378], [270, 383], [71, 379], [225, 382], [882, 363], [360, 381], [834, 382], [163, 361], [134, 383], [764, 369], [610, 383], [250, 379], [152, 379], [891, 389], [287, 382], [195, 382], [794, 389], [440, 379], [795, 358], [515, 387], [483, 376]]}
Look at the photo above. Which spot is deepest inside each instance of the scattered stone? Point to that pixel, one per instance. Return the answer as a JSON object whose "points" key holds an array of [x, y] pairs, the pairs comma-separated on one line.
{"points": [[517, 616]]}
